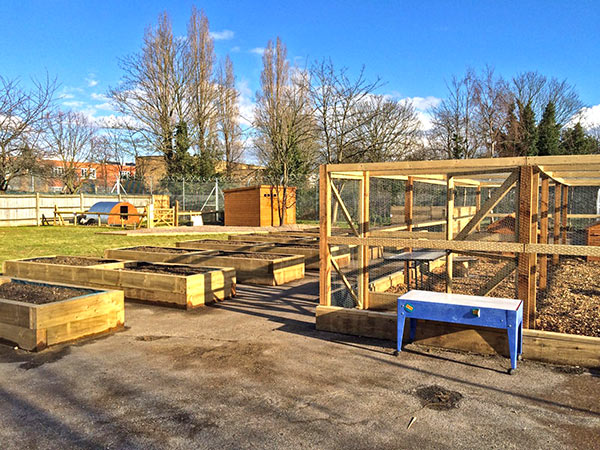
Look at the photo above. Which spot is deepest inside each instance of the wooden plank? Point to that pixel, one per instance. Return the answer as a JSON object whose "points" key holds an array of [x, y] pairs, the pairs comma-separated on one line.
{"points": [[543, 259], [525, 280], [325, 233], [345, 212], [564, 209], [489, 204], [364, 218], [449, 230], [491, 284], [408, 220], [556, 218]]}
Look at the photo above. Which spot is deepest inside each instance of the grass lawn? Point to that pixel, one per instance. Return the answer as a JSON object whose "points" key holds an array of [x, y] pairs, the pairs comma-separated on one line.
{"points": [[25, 242]]}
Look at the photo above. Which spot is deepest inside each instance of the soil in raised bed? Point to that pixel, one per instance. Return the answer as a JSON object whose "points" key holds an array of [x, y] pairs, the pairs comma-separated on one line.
{"points": [[71, 260], [150, 249], [164, 268], [38, 293]]}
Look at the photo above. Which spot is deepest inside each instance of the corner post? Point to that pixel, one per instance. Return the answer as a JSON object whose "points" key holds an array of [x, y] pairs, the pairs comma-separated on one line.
{"points": [[527, 234], [449, 230], [544, 231], [363, 229], [324, 234]]}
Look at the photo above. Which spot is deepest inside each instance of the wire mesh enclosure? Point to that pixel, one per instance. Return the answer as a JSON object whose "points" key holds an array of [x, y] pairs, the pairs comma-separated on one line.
{"points": [[503, 227]]}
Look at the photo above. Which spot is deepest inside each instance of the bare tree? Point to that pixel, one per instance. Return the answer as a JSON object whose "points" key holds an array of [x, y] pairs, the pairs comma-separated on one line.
{"points": [[336, 102], [70, 138], [202, 92], [392, 133], [228, 114], [538, 90], [152, 90], [284, 122], [454, 133], [492, 98], [21, 115]]}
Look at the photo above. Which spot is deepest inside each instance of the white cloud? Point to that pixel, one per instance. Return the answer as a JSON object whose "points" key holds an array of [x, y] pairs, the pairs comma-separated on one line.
{"points": [[66, 96], [222, 35], [74, 104], [100, 97], [91, 80], [246, 103], [257, 50], [235, 49], [106, 106], [589, 117], [424, 103]]}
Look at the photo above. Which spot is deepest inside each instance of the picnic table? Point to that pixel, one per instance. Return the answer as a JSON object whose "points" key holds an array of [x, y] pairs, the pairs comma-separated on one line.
{"points": [[418, 260]]}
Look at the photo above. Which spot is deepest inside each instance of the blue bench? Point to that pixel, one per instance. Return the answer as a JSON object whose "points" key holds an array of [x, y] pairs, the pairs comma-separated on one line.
{"points": [[490, 312]]}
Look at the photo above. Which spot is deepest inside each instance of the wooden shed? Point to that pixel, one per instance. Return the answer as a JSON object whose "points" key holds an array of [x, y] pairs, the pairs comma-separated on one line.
{"points": [[259, 206], [593, 238]]}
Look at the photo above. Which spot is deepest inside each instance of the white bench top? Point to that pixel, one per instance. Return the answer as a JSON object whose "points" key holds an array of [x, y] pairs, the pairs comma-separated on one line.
{"points": [[463, 300]]}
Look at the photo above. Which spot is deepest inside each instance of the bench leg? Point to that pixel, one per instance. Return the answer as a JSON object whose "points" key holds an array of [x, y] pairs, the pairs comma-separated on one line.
{"points": [[400, 331], [513, 345], [413, 329]]}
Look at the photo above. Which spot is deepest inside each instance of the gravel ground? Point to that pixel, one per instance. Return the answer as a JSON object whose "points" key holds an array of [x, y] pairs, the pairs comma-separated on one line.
{"points": [[254, 373]]}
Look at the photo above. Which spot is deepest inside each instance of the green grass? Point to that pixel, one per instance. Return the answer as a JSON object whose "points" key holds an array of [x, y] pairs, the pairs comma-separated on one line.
{"points": [[25, 242]]}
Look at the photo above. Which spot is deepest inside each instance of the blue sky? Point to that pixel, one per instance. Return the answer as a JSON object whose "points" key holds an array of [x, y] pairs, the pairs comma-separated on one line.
{"points": [[413, 45]]}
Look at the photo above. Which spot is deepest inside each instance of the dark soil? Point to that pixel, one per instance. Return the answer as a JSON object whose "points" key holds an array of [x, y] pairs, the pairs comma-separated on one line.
{"points": [[72, 260], [165, 268], [38, 293], [150, 249], [437, 397], [250, 255]]}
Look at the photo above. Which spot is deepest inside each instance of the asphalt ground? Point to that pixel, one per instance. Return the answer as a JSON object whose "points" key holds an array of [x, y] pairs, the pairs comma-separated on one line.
{"points": [[253, 372]]}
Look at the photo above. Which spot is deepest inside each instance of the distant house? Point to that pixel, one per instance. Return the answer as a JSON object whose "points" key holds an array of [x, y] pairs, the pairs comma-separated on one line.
{"points": [[94, 177]]}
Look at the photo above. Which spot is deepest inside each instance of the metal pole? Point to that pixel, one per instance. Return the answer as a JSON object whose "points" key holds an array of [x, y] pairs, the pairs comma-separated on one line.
{"points": [[217, 194]]}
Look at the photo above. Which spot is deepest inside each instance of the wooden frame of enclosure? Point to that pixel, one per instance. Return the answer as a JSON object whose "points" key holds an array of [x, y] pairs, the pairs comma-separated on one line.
{"points": [[531, 176]]}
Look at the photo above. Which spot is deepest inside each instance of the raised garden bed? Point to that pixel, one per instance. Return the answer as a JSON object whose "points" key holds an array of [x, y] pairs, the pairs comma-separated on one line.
{"points": [[250, 267], [168, 284], [59, 268], [310, 251], [273, 239], [34, 314]]}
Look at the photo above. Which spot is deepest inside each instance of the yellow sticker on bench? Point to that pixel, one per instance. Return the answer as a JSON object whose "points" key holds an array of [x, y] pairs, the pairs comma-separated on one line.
{"points": [[409, 307]]}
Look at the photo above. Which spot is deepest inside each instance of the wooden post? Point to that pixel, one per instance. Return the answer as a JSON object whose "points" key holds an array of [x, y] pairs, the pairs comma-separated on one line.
{"points": [[544, 231], [81, 202], [449, 230], [37, 209], [564, 210], [526, 268], [363, 226], [324, 234], [556, 218], [478, 205], [176, 213], [408, 220]]}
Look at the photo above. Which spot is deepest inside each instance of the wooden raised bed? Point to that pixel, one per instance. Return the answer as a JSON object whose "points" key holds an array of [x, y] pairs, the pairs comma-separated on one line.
{"points": [[250, 267], [169, 284], [273, 239], [62, 269], [35, 326], [309, 251]]}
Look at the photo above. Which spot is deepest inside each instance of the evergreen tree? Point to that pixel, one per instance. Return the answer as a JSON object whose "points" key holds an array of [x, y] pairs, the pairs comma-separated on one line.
{"points": [[510, 137], [574, 141], [548, 132], [528, 132]]}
